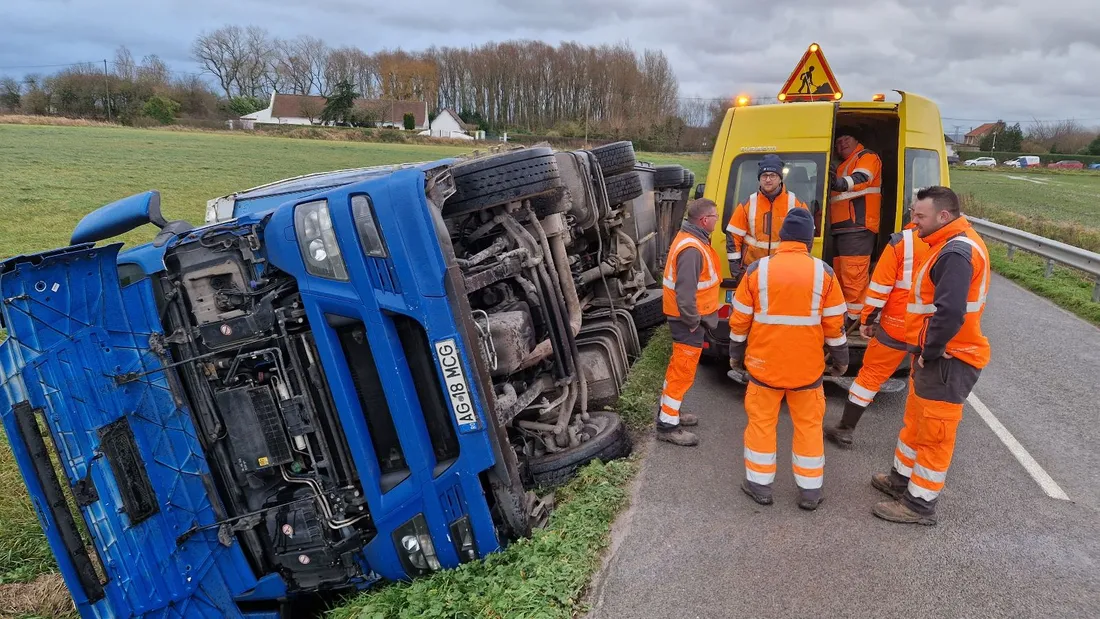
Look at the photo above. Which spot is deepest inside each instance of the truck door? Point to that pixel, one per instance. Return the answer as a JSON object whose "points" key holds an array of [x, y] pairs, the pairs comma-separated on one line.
{"points": [[81, 372], [800, 133], [923, 156]]}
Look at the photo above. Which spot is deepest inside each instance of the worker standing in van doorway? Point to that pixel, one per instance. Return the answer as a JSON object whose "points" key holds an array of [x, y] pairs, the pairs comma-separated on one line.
{"points": [[691, 292], [943, 329], [882, 322], [753, 229], [855, 205], [787, 310]]}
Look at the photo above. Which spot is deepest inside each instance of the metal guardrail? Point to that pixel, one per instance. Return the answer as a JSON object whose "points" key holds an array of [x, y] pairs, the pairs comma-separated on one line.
{"points": [[1053, 251]]}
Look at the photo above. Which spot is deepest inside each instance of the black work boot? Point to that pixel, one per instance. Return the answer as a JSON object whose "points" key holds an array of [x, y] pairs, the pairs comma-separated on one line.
{"points": [[841, 433], [809, 499], [760, 494], [898, 511], [676, 435], [687, 419], [892, 484]]}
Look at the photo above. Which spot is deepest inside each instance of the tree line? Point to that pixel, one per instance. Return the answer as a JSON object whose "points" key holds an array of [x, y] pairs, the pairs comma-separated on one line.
{"points": [[526, 86]]}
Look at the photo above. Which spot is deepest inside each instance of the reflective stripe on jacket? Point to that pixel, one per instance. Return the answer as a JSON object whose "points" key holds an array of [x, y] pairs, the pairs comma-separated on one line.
{"points": [[705, 281], [753, 229], [859, 206], [787, 308], [888, 291], [948, 297]]}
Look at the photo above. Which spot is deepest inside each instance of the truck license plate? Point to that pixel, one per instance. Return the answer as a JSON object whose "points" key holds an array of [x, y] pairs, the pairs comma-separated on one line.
{"points": [[462, 404]]}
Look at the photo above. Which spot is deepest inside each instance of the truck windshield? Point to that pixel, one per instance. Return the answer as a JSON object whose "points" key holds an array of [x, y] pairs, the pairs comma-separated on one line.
{"points": [[804, 174]]}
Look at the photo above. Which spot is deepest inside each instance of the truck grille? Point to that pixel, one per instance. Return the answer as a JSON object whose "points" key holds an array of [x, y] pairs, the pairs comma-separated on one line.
{"points": [[382, 275], [429, 390]]}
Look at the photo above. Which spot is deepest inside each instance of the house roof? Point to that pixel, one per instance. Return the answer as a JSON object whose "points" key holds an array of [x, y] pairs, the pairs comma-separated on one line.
{"points": [[983, 129], [386, 110]]}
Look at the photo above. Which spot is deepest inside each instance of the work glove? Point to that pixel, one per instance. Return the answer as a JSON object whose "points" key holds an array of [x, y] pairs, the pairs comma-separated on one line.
{"points": [[736, 271], [839, 184], [837, 370], [867, 331]]}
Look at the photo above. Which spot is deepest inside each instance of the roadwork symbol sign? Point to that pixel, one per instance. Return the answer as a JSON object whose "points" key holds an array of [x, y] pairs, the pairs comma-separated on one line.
{"points": [[811, 80]]}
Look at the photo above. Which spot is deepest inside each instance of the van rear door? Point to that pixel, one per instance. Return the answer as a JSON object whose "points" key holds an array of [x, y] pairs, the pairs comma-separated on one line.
{"points": [[800, 133], [923, 150]]}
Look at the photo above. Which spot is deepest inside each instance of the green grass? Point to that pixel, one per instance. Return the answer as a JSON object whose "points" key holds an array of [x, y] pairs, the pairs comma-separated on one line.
{"points": [[1070, 200], [1068, 288], [53, 176]]}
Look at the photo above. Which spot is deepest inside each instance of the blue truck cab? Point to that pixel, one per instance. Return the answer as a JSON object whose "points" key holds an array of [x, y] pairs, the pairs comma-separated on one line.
{"points": [[337, 379]]}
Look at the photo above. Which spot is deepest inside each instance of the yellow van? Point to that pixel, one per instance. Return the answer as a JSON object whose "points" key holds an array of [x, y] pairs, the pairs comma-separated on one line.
{"points": [[907, 135]]}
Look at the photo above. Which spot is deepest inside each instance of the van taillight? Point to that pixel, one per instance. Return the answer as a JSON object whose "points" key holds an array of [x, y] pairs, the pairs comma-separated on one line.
{"points": [[724, 312]]}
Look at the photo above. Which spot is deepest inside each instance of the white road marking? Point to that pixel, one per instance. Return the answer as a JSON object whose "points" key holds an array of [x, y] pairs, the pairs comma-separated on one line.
{"points": [[1037, 473], [1023, 178]]}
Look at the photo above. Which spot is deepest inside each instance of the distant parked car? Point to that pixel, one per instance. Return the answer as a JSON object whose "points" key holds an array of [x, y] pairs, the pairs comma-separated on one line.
{"points": [[1067, 164], [988, 162], [1011, 163], [952, 159], [1028, 161], [1094, 166]]}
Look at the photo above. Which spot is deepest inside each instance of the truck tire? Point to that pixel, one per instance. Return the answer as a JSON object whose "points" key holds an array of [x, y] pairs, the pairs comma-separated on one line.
{"points": [[610, 443], [668, 176], [689, 180], [615, 158], [623, 187], [499, 179], [649, 313]]}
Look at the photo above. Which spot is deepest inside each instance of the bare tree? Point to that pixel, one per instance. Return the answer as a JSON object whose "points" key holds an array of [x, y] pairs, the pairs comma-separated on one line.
{"points": [[11, 92], [223, 54], [125, 67], [302, 62]]}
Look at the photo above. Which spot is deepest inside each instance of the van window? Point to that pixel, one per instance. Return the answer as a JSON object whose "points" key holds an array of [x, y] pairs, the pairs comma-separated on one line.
{"points": [[804, 175], [922, 169]]}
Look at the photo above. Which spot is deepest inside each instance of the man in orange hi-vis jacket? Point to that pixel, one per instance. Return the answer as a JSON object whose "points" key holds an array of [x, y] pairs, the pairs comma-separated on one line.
{"points": [[943, 329], [753, 229], [855, 205], [691, 301], [788, 308], [886, 302]]}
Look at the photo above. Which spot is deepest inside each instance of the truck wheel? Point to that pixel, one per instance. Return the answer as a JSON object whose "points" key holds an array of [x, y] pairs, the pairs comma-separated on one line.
{"points": [[668, 176], [615, 158], [610, 442], [689, 179], [623, 187], [499, 179], [649, 313]]}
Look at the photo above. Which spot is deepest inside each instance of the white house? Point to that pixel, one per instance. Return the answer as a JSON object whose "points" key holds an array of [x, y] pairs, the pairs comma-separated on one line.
{"points": [[306, 110], [448, 125]]}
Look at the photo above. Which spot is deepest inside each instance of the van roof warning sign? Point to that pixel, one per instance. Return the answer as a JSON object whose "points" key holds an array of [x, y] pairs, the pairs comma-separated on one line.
{"points": [[811, 80]]}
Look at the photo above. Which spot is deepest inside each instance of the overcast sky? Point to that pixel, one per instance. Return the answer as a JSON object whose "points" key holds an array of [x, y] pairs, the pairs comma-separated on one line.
{"points": [[980, 60]]}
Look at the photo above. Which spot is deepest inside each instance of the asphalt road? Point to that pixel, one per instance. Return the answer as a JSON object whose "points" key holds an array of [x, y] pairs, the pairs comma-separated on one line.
{"points": [[693, 545]]}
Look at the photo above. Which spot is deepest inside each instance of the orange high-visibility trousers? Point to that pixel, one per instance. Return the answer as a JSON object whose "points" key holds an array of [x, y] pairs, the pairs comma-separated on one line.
{"points": [[925, 446], [879, 364], [854, 272], [807, 407], [679, 377]]}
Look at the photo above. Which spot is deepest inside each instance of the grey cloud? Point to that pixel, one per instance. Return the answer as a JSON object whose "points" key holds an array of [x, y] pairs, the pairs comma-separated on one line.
{"points": [[1014, 59]]}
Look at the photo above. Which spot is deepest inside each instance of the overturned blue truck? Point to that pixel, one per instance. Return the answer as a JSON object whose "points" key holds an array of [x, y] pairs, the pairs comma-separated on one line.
{"points": [[334, 380]]}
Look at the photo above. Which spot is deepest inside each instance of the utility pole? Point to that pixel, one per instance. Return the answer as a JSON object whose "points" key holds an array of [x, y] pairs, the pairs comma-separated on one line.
{"points": [[107, 83]]}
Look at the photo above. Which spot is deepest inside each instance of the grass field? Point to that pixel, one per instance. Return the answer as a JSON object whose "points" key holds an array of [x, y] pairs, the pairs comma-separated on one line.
{"points": [[1065, 197]]}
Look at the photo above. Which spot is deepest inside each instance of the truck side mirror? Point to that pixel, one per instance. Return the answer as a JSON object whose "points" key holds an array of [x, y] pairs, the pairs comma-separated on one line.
{"points": [[699, 191]]}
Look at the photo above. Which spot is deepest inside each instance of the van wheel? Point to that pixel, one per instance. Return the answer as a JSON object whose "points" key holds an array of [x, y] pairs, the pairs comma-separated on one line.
{"points": [[608, 441], [668, 176], [498, 179], [616, 157], [623, 188]]}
